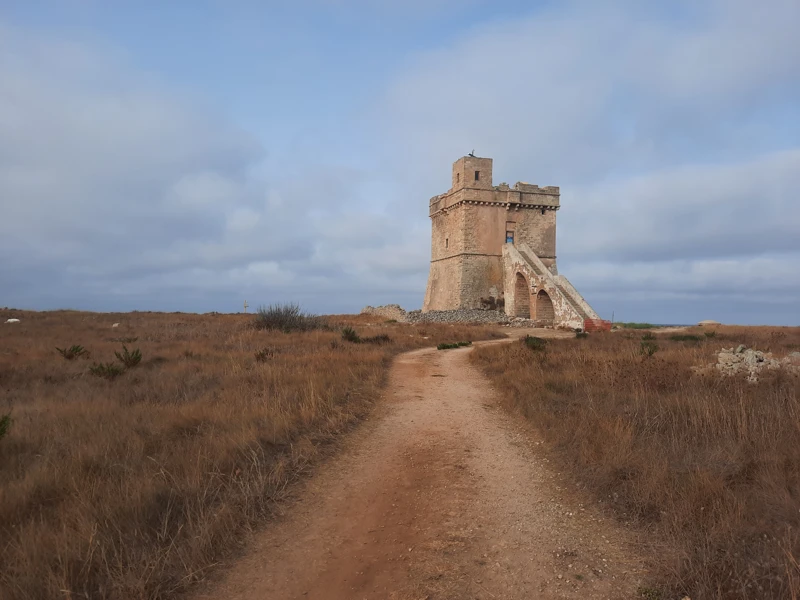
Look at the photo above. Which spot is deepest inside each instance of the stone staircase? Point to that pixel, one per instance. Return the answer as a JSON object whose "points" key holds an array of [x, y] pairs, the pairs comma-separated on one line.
{"points": [[591, 319]]}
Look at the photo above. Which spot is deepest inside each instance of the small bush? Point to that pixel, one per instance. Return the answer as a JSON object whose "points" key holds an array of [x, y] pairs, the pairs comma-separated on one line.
{"points": [[581, 335], [648, 348], [535, 343], [637, 325], [127, 358], [125, 340], [265, 354], [379, 339], [444, 346], [108, 370], [349, 335], [5, 425], [685, 337], [710, 334], [73, 352], [648, 336], [286, 318], [453, 345], [392, 321]]}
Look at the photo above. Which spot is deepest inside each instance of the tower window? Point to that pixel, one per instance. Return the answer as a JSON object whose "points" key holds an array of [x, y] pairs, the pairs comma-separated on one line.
{"points": [[446, 242], [458, 177], [542, 211], [477, 175], [509, 237]]}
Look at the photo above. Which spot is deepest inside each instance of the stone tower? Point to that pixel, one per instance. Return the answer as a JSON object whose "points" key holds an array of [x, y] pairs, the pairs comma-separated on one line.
{"points": [[497, 244]]}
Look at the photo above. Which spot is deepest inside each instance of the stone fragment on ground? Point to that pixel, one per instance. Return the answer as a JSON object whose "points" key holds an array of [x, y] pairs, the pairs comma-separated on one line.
{"points": [[743, 360]]}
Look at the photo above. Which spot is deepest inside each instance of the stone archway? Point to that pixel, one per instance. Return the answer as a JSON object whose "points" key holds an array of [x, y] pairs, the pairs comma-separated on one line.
{"points": [[522, 297], [545, 313]]}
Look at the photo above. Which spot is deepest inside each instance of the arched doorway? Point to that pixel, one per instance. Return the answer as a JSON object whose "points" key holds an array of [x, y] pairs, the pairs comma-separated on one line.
{"points": [[522, 298], [544, 308]]}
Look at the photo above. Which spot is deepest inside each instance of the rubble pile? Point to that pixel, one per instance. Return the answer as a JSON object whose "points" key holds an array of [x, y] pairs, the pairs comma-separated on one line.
{"points": [[388, 311], [744, 360], [465, 315]]}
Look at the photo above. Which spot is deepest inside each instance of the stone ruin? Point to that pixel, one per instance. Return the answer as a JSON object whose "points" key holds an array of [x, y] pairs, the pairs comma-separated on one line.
{"points": [[747, 361]]}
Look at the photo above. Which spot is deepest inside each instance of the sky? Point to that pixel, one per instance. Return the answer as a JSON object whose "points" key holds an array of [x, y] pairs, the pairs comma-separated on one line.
{"points": [[188, 156]]}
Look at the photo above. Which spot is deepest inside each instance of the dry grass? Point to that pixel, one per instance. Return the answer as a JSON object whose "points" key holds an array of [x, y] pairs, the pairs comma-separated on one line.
{"points": [[709, 466], [134, 487]]}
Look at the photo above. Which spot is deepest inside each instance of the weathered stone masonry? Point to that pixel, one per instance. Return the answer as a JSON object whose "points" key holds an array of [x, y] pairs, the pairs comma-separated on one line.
{"points": [[497, 244]]}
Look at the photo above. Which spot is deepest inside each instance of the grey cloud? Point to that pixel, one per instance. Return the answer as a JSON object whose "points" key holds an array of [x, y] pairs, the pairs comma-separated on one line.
{"points": [[690, 212], [120, 190], [667, 136]]}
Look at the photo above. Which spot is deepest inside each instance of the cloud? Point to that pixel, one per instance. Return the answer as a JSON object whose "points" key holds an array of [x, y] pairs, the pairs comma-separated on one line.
{"points": [[671, 129], [673, 138]]}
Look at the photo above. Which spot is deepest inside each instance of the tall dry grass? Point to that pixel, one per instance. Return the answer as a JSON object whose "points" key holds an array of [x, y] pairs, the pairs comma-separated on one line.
{"points": [[708, 465], [136, 487]]}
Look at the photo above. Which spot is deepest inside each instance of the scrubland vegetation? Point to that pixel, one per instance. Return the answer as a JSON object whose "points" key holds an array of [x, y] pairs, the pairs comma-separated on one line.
{"points": [[134, 459], [708, 466]]}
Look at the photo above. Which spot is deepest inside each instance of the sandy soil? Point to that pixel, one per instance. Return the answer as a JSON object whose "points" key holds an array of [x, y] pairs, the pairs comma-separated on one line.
{"points": [[440, 494]]}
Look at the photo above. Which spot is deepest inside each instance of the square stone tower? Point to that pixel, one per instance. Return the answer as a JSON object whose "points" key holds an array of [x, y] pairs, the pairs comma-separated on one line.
{"points": [[470, 224], [496, 244]]}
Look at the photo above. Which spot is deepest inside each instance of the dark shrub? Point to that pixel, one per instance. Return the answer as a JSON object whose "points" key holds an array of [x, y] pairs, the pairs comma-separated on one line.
{"points": [[685, 337], [648, 348], [535, 343], [286, 318], [106, 370], [74, 351], [349, 335], [264, 354], [128, 358], [5, 425], [379, 339]]}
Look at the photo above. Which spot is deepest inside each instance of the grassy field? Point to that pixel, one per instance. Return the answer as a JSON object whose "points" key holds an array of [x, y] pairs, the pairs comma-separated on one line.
{"points": [[708, 466], [134, 484]]}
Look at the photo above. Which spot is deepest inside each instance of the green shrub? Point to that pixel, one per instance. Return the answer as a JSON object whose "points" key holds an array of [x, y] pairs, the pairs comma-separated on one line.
{"points": [[581, 335], [286, 318], [444, 346], [535, 343], [648, 336], [127, 358], [5, 425], [108, 370], [381, 338], [710, 334], [73, 352], [685, 337], [648, 348], [637, 325], [349, 335]]}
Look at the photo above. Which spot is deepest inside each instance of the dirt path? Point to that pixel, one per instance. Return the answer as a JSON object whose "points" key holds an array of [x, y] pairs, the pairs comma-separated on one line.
{"points": [[440, 495]]}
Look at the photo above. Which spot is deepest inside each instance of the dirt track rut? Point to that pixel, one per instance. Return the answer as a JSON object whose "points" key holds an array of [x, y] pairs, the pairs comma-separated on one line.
{"points": [[439, 495]]}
